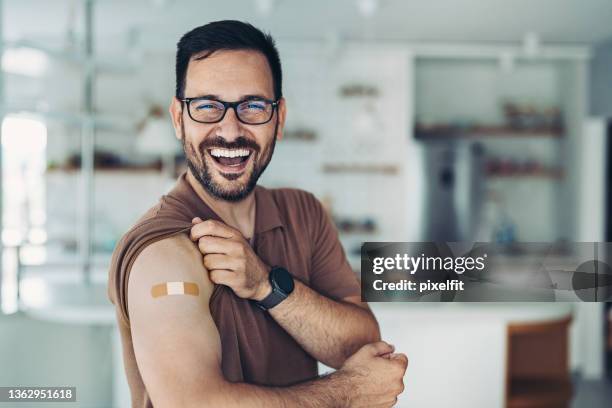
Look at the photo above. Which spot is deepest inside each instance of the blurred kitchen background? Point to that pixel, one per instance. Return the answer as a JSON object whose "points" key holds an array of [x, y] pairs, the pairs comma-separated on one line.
{"points": [[458, 120]]}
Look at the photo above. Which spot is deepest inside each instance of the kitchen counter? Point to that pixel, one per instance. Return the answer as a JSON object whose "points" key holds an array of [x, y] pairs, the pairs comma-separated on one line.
{"points": [[458, 351], [506, 312]]}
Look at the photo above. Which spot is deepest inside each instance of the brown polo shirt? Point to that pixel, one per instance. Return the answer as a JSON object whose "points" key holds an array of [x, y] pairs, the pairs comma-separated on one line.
{"points": [[291, 230]]}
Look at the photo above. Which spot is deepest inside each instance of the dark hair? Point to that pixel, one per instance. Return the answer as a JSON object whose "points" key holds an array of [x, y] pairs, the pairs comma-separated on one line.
{"points": [[225, 35]]}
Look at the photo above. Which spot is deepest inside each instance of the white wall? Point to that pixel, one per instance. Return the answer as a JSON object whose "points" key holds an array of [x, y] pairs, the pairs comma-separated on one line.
{"points": [[37, 353], [313, 78], [601, 79], [588, 332]]}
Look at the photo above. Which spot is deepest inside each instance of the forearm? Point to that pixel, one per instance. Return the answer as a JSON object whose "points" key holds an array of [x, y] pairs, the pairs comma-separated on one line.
{"points": [[329, 391], [328, 330]]}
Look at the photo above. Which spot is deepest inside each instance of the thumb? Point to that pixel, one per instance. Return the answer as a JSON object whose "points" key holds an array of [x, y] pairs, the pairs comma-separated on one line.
{"points": [[379, 348], [196, 220]]}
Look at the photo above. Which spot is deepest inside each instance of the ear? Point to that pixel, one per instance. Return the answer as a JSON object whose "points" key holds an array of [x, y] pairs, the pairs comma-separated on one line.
{"points": [[176, 113], [282, 116]]}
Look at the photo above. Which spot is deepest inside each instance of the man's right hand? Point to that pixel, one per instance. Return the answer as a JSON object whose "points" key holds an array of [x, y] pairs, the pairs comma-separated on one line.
{"points": [[375, 375]]}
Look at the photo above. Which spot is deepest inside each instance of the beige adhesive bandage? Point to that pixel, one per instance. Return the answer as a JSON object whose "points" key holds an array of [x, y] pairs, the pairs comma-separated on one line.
{"points": [[175, 288]]}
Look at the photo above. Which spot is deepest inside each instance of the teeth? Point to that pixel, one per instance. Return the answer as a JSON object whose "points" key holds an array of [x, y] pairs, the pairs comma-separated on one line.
{"points": [[229, 152]]}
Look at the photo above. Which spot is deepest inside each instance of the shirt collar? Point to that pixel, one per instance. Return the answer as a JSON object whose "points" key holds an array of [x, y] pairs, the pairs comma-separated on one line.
{"points": [[267, 213]]}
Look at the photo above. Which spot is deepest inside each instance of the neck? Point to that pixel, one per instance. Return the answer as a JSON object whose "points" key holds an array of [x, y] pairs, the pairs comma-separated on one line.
{"points": [[239, 214]]}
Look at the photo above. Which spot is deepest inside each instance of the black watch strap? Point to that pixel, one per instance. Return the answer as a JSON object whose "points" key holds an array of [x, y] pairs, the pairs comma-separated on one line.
{"points": [[282, 286], [273, 299]]}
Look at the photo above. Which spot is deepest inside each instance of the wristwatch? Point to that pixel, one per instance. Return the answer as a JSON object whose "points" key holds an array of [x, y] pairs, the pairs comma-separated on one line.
{"points": [[282, 286]]}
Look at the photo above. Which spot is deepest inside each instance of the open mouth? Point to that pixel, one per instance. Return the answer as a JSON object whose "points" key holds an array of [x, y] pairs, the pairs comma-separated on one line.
{"points": [[230, 160]]}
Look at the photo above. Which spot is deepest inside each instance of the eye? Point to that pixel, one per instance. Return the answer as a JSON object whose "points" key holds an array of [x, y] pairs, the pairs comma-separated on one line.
{"points": [[208, 105], [254, 106]]}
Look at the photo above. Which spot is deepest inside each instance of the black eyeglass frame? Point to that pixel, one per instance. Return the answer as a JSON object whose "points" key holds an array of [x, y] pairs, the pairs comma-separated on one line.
{"points": [[232, 105]]}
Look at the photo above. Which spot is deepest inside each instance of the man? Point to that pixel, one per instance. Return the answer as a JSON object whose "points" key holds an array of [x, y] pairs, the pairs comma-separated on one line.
{"points": [[228, 293]]}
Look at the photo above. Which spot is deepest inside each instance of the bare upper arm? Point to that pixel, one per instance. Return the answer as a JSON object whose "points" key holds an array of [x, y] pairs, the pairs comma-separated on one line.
{"points": [[176, 342]]}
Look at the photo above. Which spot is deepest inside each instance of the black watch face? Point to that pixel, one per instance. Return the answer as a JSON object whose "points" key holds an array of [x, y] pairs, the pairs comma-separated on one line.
{"points": [[283, 279]]}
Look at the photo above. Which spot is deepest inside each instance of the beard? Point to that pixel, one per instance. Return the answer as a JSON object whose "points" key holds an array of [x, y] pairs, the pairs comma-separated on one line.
{"points": [[230, 188]]}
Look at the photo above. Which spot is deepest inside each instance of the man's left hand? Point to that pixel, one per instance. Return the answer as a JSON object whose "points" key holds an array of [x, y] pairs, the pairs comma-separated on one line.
{"points": [[230, 260]]}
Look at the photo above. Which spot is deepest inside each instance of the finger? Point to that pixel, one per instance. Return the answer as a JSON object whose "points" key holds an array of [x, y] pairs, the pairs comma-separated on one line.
{"points": [[222, 277], [215, 245], [212, 227], [400, 357], [386, 355], [196, 220], [379, 348], [219, 261]]}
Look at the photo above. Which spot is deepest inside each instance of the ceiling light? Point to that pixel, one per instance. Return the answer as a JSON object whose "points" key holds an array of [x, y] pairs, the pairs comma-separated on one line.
{"points": [[367, 8], [23, 136], [264, 7], [25, 61], [160, 3]]}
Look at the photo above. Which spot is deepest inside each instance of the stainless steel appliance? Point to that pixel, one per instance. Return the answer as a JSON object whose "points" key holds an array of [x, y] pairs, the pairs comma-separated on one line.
{"points": [[454, 171]]}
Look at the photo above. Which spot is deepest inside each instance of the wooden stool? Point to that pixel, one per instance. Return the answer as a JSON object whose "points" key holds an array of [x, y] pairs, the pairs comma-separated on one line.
{"points": [[538, 374]]}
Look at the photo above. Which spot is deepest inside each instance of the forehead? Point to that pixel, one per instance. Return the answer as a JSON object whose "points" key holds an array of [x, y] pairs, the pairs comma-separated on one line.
{"points": [[230, 74]]}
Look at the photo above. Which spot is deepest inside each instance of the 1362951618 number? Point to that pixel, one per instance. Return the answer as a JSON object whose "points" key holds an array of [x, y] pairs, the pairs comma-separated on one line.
{"points": [[37, 393]]}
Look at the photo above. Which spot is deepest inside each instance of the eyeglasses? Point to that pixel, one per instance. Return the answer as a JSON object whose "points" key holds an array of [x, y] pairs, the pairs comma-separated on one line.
{"points": [[251, 111]]}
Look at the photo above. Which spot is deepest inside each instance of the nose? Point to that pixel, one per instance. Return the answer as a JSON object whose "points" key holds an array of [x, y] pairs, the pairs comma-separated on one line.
{"points": [[229, 128]]}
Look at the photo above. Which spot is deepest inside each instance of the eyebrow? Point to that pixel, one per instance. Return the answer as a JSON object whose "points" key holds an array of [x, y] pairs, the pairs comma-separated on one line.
{"points": [[242, 97]]}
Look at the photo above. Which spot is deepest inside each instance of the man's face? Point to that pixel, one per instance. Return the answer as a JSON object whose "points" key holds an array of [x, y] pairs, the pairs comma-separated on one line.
{"points": [[215, 152]]}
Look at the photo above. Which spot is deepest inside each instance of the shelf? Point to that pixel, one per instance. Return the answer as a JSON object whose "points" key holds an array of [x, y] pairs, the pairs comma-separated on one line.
{"points": [[387, 169], [300, 135], [357, 90], [441, 132], [116, 65], [357, 232], [98, 169], [118, 122], [550, 174]]}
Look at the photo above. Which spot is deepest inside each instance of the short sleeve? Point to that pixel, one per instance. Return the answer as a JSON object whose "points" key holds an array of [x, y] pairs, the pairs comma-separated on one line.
{"points": [[127, 250], [331, 275]]}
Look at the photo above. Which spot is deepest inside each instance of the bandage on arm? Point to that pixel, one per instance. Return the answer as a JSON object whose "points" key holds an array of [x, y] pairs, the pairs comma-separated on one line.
{"points": [[176, 342]]}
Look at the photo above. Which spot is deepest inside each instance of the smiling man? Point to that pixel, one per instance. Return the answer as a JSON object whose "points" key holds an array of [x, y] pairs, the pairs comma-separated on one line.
{"points": [[228, 293]]}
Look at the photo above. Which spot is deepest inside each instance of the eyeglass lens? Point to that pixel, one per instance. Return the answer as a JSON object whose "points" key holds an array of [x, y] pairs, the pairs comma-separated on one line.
{"points": [[250, 111]]}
